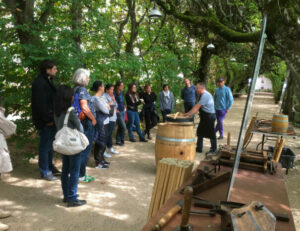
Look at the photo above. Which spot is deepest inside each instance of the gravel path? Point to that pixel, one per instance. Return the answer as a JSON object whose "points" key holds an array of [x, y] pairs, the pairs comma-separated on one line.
{"points": [[119, 197]]}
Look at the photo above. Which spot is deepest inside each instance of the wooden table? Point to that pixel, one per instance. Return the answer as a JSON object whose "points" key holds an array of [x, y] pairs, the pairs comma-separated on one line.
{"points": [[249, 186]]}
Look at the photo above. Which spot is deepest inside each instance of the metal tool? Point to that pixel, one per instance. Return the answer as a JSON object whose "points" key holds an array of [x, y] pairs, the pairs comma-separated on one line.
{"points": [[248, 106], [186, 209]]}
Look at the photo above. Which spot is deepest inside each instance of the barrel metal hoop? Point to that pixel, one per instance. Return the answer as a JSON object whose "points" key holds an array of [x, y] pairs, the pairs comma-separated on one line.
{"points": [[175, 140], [282, 121]]}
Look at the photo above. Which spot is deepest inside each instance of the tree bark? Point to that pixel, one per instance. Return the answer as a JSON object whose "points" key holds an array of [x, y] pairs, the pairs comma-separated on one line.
{"points": [[201, 74], [76, 11]]}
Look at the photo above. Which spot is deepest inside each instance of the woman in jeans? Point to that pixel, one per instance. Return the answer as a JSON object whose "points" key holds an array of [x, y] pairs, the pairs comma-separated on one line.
{"points": [[133, 101], [149, 109], [109, 95], [81, 79], [71, 163], [166, 101], [119, 87], [101, 128]]}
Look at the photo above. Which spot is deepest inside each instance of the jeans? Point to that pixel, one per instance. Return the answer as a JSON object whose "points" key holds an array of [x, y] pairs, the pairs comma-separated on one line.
{"points": [[85, 154], [213, 144], [98, 153], [165, 113], [47, 135], [121, 127], [111, 127], [221, 114], [134, 119], [69, 176], [188, 106]]}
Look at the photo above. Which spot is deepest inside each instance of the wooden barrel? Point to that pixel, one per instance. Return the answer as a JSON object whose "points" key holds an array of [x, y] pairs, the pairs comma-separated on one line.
{"points": [[175, 140], [280, 123]]}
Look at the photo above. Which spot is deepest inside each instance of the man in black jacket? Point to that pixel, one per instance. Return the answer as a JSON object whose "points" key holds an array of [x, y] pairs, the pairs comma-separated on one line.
{"points": [[43, 92]]}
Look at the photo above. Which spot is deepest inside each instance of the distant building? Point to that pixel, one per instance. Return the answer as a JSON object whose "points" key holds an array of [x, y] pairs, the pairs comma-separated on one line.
{"points": [[263, 84]]}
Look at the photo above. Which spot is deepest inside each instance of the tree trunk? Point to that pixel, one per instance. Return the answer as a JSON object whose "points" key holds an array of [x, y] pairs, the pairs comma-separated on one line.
{"points": [[201, 74], [76, 11], [287, 104]]}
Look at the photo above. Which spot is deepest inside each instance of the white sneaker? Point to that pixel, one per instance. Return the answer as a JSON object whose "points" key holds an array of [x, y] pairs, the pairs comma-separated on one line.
{"points": [[107, 155], [3, 227], [113, 151], [4, 214], [102, 166]]}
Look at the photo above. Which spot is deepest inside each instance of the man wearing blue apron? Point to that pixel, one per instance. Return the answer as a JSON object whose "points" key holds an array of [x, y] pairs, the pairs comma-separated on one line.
{"points": [[206, 127]]}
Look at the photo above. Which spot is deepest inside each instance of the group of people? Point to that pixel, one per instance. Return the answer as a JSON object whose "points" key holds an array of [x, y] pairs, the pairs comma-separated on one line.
{"points": [[96, 115], [210, 108]]}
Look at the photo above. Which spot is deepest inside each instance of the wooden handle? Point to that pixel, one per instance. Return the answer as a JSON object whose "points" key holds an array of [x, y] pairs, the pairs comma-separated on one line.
{"points": [[175, 117], [279, 150], [166, 218], [187, 203], [228, 139]]}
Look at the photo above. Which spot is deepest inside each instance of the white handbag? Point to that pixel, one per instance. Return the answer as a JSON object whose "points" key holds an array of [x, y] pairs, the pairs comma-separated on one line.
{"points": [[69, 141]]}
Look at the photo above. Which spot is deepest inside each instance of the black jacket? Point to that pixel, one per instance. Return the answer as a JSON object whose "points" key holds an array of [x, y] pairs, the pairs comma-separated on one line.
{"points": [[132, 102], [42, 98]]}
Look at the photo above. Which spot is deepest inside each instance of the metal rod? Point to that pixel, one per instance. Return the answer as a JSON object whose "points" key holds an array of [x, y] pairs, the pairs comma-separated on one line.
{"points": [[248, 106], [283, 90]]}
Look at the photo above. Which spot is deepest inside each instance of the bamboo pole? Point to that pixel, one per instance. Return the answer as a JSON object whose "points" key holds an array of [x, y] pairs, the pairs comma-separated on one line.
{"points": [[170, 174], [158, 172], [159, 189]]}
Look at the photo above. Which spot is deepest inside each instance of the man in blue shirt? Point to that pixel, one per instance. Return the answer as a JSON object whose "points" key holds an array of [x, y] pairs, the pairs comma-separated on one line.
{"points": [[189, 95], [206, 128], [223, 103]]}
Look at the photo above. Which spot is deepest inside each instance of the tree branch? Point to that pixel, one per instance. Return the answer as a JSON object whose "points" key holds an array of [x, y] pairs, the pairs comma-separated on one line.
{"points": [[210, 22], [156, 37]]}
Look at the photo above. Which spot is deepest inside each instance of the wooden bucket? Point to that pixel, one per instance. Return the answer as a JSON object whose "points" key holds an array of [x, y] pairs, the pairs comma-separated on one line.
{"points": [[175, 140], [280, 123]]}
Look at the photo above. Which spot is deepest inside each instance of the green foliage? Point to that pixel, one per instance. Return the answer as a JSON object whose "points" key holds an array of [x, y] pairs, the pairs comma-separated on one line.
{"points": [[277, 76], [89, 34]]}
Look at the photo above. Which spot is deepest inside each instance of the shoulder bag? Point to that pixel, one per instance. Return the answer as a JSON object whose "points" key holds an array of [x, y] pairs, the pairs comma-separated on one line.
{"points": [[69, 141]]}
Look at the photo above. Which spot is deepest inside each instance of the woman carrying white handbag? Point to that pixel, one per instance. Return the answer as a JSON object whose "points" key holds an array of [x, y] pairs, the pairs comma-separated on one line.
{"points": [[67, 141]]}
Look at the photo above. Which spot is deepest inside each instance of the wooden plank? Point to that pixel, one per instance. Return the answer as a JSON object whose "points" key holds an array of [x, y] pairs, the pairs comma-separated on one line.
{"points": [[209, 183], [248, 166], [245, 155]]}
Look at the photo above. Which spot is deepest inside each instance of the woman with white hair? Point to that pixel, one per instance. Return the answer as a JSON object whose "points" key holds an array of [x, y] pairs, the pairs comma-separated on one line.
{"points": [[86, 113]]}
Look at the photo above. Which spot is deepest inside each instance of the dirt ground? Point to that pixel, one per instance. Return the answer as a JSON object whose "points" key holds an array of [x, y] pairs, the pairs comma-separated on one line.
{"points": [[119, 197]]}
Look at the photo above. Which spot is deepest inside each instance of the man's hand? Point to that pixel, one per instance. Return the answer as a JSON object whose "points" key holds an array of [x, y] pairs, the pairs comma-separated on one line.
{"points": [[94, 122], [50, 124]]}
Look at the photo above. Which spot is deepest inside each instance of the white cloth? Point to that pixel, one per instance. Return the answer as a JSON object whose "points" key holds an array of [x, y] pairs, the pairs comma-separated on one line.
{"points": [[7, 128], [5, 162], [167, 94]]}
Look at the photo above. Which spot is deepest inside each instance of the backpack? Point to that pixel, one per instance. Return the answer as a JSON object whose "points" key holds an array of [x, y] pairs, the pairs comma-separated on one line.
{"points": [[76, 105]]}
